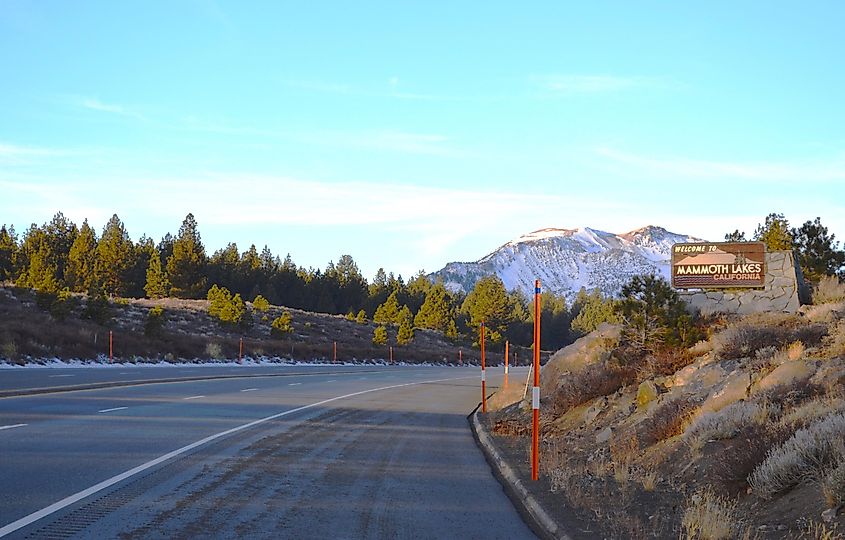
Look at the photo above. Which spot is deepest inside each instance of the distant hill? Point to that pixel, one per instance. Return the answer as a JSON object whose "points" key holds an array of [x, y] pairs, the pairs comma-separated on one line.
{"points": [[567, 259]]}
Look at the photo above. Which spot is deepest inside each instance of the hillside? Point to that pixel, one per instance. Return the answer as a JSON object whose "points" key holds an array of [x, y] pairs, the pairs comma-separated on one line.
{"points": [[30, 334], [565, 260], [740, 436]]}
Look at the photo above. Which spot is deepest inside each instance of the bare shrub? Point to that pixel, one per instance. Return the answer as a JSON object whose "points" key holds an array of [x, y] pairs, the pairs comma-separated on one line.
{"points": [[833, 485], [744, 339], [835, 342], [214, 350], [726, 423], [809, 450], [594, 380], [829, 290], [710, 517], [669, 419], [744, 453]]}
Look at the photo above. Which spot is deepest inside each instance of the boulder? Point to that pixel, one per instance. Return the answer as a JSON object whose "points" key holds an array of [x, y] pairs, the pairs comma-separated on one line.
{"points": [[592, 348], [646, 393]]}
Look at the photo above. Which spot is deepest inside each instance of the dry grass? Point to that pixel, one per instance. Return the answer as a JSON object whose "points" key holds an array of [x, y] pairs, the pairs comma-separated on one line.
{"points": [[803, 455], [820, 531], [834, 346], [830, 290], [649, 479], [810, 411], [833, 485], [710, 517]]}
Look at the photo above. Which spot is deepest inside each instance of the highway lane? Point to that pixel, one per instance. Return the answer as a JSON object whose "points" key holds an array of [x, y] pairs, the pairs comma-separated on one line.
{"points": [[30, 378], [398, 462]]}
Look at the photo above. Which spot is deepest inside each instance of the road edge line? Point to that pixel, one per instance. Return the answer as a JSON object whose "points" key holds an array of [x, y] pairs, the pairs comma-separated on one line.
{"points": [[529, 507]]}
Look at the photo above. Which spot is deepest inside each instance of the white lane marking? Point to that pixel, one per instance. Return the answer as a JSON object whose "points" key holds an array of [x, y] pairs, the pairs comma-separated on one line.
{"points": [[54, 376], [113, 409], [124, 373], [295, 384], [194, 397], [362, 378], [332, 380], [249, 389], [76, 497], [12, 426]]}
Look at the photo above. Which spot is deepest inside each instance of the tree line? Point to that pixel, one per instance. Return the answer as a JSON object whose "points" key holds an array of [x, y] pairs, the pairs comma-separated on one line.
{"points": [[60, 258]]}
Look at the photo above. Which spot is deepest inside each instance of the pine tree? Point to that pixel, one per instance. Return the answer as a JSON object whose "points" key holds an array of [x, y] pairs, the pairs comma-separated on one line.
{"points": [[653, 314], [435, 312], [361, 318], [38, 269], [488, 303], [388, 312], [817, 251], [735, 236], [380, 335], [595, 311], [405, 333], [8, 253], [260, 303], [82, 260], [114, 255], [451, 330], [157, 284], [775, 233], [281, 325], [60, 234], [186, 266]]}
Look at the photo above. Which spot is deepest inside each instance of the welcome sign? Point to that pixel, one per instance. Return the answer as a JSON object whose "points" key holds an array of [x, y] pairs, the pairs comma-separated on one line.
{"points": [[719, 265]]}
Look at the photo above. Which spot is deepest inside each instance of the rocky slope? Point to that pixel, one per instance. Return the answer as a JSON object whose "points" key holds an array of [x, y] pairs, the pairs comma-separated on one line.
{"points": [[740, 436]]}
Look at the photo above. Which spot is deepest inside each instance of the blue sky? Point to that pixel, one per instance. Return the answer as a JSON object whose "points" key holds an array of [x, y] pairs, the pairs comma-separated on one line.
{"points": [[410, 135]]}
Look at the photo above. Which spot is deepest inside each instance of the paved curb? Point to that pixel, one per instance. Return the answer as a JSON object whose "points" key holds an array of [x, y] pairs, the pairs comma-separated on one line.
{"points": [[532, 511], [139, 382]]}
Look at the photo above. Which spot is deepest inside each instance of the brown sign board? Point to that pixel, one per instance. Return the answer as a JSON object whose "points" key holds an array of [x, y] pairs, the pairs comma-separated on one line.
{"points": [[712, 265]]}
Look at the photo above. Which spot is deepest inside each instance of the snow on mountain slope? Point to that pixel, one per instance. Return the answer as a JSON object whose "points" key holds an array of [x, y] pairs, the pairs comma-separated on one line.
{"points": [[567, 259]]}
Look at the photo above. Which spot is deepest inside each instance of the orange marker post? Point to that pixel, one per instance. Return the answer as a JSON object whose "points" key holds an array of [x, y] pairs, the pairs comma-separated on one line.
{"points": [[483, 374], [460, 357], [507, 344], [241, 350], [111, 348], [535, 394], [334, 352], [391, 354]]}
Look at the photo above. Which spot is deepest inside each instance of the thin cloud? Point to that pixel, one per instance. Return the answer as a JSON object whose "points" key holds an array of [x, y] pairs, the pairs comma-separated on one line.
{"points": [[674, 167], [95, 104], [14, 154]]}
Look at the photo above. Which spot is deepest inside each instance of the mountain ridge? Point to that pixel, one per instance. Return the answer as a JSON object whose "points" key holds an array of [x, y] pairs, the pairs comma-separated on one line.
{"points": [[565, 260]]}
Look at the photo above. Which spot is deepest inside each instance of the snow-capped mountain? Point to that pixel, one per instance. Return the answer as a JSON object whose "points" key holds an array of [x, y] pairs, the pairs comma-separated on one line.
{"points": [[567, 259]]}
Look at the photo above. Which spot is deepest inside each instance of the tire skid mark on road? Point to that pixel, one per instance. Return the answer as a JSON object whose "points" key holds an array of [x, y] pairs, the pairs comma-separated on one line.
{"points": [[76, 497]]}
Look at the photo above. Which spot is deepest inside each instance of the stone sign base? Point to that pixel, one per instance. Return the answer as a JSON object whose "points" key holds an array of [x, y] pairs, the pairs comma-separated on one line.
{"points": [[784, 284]]}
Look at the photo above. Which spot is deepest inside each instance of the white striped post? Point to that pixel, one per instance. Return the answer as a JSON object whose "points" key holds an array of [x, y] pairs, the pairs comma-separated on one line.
{"points": [[535, 394], [483, 374]]}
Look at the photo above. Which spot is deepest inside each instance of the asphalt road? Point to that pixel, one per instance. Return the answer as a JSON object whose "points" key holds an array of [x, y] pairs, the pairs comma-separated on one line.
{"points": [[349, 453]]}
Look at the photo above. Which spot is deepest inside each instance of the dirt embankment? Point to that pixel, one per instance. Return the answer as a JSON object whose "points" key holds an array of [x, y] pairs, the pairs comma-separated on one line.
{"points": [[740, 436], [29, 332]]}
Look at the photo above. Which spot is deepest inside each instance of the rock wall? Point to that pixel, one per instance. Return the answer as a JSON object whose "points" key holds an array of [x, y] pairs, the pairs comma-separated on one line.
{"points": [[782, 292]]}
